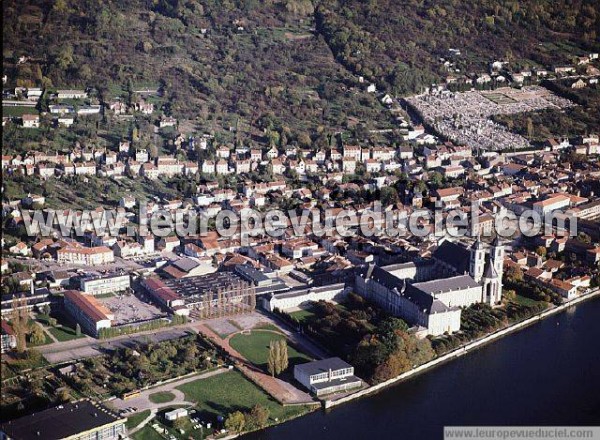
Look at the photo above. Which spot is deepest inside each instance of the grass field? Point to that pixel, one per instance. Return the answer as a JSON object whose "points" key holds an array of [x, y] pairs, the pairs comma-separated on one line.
{"points": [[64, 333], [61, 332], [231, 391], [255, 347], [136, 419], [147, 433], [522, 300], [18, 111], [302, 315], [161, 397]]}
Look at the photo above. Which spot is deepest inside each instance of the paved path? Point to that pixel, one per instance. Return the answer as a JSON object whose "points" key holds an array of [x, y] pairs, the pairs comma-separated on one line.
{"points": [[50, 335], [298, 339], [76, 349], [283, 391], [142, 402], [143, 422]]}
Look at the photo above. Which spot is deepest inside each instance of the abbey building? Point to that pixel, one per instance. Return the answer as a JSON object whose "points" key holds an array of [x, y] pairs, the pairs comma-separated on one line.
{"points": [[430, 293]]}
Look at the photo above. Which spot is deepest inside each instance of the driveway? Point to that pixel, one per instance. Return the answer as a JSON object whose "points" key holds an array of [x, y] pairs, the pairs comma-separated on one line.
{"points": [[142, 402]]}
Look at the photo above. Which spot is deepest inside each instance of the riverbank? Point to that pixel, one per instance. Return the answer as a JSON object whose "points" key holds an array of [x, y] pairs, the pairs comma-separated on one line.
{"points": [[456, 353], [462, 350], [515, 381]]}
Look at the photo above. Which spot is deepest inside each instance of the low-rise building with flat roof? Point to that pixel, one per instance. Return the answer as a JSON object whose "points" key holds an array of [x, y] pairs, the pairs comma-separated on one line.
{"points": [[82, 420], [327, 376], [103, 284]]}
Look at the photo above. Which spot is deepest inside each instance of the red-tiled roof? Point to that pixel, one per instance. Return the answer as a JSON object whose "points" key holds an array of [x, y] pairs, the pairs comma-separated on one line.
{"points": [[87, 305]]}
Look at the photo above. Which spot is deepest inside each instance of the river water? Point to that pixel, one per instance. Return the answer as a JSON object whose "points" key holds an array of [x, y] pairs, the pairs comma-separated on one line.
{"points": [[545, 375]]}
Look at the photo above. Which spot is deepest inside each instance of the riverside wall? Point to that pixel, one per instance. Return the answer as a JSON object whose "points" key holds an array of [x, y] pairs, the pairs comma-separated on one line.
{"points": [[461, 351]]}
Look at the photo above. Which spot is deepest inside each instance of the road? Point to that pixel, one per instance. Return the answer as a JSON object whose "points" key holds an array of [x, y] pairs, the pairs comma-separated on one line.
{"points": [[142, 402], [88, 347]]}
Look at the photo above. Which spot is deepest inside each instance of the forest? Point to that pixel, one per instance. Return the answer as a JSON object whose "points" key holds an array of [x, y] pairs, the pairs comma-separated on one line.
{"points": [[290, 65], [231, 66], [399, 44]]}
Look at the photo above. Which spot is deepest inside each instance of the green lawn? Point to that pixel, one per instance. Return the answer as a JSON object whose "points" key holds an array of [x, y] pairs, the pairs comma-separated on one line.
{"points": [[17, 111], [302, 315], [524, 301], [255, 347], [64, 333], [161, 397], [231, 391], [61, 332], [136, 419], [147, 433]]}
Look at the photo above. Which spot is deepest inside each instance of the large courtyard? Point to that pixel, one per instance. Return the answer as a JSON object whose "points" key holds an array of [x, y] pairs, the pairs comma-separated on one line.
{"points": [[129, 308]]}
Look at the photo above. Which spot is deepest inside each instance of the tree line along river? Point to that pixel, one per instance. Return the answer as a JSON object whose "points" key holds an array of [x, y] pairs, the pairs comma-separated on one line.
{"points": [[547, 374]]}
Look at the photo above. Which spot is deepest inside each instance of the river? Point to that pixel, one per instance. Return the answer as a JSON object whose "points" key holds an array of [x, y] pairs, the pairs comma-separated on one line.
{"points": [[546, 374]]}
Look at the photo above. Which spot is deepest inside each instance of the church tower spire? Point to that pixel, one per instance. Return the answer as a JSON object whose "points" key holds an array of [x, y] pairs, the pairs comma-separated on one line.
{"points": [[477, 260], [497, 256]]}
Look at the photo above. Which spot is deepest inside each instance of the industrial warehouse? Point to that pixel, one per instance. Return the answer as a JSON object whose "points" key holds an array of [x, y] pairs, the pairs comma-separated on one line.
{"points": [[215, 294]]}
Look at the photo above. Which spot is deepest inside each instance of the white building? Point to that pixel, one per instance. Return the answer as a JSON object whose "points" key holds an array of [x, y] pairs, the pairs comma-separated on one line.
{"points": [[30, 121], [87, 311], [87, 256], [430, 293], [327, 376], [71, 94], [99, 285], [296, 298], [544, 207]]}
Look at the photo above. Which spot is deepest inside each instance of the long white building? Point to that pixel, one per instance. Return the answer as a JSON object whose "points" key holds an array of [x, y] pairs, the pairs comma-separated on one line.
{"points": [[295, 298], [100, 285]]}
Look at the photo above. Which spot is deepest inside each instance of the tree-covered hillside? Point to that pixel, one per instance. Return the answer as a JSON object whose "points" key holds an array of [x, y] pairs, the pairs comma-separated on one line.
{"points": [[400, 43], [222, 63], [253, 64]]}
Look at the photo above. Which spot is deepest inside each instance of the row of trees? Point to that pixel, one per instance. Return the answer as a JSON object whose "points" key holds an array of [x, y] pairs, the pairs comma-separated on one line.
{"points": [[20, 323], [256, 418], [277, 361], [481, 319]]}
